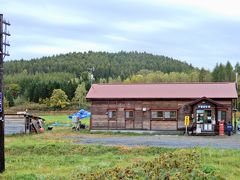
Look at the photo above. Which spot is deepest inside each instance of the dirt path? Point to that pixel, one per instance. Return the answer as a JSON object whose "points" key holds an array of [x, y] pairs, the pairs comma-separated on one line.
{"points": [[232, 142]]}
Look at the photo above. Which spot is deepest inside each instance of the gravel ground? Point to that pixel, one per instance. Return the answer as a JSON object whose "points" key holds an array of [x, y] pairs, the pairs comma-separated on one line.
{"points": [[231, 142]]}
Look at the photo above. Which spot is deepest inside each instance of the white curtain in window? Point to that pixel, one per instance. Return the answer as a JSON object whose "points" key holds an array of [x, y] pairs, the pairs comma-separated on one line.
{"points": [[110, 114], [167, 114]]}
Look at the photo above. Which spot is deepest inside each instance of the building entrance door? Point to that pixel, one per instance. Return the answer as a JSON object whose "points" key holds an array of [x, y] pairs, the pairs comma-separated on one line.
{"points": [[205, 121], [138, 121]]}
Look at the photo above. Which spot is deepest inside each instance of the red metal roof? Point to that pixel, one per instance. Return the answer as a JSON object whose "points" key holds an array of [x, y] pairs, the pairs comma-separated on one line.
{"points": [[156, 91]]}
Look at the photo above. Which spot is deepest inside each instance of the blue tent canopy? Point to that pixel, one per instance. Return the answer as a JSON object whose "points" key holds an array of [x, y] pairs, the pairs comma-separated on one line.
{"points": [[81, 114]]}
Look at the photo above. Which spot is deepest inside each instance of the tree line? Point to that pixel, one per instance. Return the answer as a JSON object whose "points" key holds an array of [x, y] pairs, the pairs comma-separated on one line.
{"points": [[221, 73], [69, 76], [225, 72]]}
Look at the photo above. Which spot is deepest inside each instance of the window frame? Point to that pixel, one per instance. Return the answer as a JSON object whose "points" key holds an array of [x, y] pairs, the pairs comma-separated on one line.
{"points": [[220, 118], [175, 116], [125, 114], [163, 117], [113, 111], [157, 117]]}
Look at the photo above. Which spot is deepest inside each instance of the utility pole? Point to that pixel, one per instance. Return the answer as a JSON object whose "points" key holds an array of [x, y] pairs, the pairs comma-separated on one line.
{"points": [[3, 53], [236, 105]]}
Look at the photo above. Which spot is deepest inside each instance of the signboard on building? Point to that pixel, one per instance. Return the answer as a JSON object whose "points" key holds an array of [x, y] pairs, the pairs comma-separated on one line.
{"points": [[205, 106]]}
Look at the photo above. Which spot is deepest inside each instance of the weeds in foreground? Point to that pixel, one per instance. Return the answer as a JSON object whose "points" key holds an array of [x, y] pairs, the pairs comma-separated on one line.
{"points": [[180, 164], [53, 156]]}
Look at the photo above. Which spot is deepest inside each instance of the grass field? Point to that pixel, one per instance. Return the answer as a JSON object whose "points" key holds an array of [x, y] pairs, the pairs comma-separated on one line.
{"points": [[62, 119], [53, 156]]}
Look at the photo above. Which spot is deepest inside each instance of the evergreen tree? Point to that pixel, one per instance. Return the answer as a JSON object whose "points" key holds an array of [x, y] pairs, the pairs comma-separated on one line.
{"points": [[215, 73], [221, 73], [202, 75], [229, 72], [237, 68]]}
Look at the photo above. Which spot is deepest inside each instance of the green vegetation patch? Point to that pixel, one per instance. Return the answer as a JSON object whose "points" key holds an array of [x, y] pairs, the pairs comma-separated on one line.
{"points": [[62, 160], [62, 119], [179, 164], [52, 155]]}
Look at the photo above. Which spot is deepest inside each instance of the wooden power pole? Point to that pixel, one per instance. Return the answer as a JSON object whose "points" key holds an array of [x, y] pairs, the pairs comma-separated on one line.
{"points": [[3, 53]]}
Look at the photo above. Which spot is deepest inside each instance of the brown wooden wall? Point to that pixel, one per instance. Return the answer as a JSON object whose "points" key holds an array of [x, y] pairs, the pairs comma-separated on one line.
{"points": [[15, 124], [142, 120]]}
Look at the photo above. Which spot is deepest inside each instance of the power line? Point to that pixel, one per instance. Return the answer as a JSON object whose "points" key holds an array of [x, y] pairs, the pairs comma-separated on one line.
{"points": [[3, 53]]}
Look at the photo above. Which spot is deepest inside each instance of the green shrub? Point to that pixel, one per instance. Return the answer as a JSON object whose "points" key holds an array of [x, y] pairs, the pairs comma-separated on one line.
{"points": [[180, 164]]}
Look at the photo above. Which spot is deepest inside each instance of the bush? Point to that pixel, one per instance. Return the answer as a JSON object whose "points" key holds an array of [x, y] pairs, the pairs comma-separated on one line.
{"points": [[19, 100], [28, 106], [180, 164]]}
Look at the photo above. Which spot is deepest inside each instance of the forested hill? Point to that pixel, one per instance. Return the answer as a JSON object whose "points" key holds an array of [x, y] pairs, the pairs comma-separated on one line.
{"points": [[42, 80], [123, 64]]}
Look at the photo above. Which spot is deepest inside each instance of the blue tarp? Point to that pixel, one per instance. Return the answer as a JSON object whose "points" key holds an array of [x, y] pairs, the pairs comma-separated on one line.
{"points": [[81, 114]]}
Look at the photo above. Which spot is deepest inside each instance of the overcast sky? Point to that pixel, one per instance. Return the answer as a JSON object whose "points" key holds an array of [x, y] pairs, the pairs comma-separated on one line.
{"points": [[200, 32]]}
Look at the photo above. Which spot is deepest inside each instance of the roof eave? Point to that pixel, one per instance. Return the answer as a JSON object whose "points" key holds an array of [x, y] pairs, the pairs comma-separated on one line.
{"points": [[158, 97]]}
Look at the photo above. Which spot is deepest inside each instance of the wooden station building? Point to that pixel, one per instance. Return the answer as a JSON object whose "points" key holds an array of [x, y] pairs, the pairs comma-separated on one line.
{"points": [[160, 107]]}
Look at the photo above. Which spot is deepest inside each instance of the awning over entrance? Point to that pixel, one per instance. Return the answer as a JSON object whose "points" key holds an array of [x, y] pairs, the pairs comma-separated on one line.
{"points": [[202, 99]]}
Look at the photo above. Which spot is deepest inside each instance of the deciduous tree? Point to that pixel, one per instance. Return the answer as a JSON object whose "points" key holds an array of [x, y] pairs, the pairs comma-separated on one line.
{"points": [[59, 99], [80, 95]]}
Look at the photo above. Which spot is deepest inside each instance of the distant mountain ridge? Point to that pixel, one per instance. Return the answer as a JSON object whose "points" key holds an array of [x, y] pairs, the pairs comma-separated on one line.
{"points": [[121, 64]]}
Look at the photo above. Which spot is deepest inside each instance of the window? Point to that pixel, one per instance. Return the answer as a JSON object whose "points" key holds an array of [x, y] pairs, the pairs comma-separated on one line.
{"points": [[170, 114], [112, 114], [222, 115], [173, 114], [157, 114], [200, 116], [167, 114], [208, 112], [208, 116], [129, 114], [163, 115]]}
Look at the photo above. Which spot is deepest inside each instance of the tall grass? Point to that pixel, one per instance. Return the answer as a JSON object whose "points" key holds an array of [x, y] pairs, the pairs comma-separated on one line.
{"points": [[52, 155]]}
